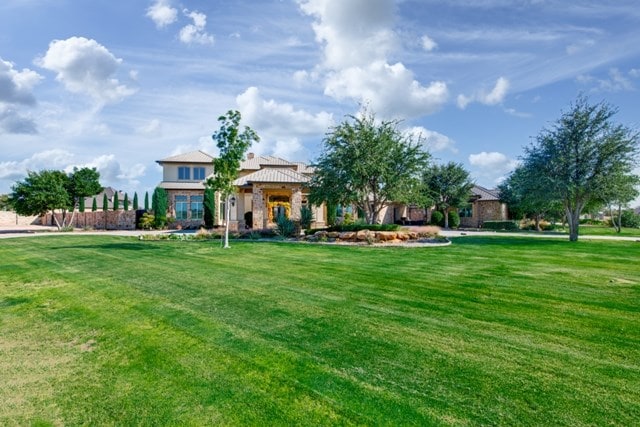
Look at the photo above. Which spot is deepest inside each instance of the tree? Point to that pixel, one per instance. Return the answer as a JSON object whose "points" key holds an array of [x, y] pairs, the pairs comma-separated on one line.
{"points": [[82, 183], [233, 144], [81, 206], [40, 193], [135, 201], [621, 191], [105, 203], [209, 203], [4, 202], [368, 164], [146, 201], [116, 202], [125, 203], [447, 186], [159, 205], [527, 196], [574, 158], [94, 205]]}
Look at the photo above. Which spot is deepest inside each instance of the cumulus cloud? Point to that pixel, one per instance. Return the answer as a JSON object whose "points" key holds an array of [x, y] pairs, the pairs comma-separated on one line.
{"points": [[195, 33], [493, 97], [113, 173], [152, 128], [428, 43], [432, 141], [49, 159], [493, 161], [86, 67], [280, 125], [162, 14], [357, 38], [16, 93]]}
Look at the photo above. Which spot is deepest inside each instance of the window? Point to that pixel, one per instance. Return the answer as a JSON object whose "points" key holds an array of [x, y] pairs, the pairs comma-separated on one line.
{"points": [[197, 209], [184, 172], [181, 207], [198, 174], [466, 211]]}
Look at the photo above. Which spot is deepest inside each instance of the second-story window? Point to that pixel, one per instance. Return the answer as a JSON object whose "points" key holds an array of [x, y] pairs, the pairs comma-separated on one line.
{"points": [[184, 172], [198, 174]]}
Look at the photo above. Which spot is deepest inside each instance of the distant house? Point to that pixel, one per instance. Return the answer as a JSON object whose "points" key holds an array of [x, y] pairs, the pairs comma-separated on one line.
{"points": [[110, 192], [484, 205]]}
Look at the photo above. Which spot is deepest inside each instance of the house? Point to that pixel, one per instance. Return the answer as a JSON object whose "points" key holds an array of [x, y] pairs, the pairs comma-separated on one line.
{"points": [[484, 205], [110, 192], [267, 187]]}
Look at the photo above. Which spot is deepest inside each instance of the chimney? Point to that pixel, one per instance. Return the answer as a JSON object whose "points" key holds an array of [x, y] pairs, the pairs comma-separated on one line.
{"points": [[250, 156]]}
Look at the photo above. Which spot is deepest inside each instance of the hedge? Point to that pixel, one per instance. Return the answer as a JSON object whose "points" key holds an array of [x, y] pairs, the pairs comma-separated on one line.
{"points": [[500, 225]]}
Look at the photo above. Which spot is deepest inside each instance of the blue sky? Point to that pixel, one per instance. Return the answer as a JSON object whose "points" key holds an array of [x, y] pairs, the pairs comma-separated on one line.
{"points": [[118, 85]]}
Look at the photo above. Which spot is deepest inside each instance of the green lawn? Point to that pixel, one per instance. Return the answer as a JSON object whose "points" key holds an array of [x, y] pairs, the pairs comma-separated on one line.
{"points": [[490, 330]]}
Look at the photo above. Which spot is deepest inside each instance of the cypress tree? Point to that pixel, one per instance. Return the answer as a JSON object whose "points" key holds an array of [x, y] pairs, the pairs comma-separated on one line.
{"points": [[135, 201], [146, 201], [105, 202], [159, 204], [94, 205], [209, 207], [126, 202], [81, 204], [116, 202]]}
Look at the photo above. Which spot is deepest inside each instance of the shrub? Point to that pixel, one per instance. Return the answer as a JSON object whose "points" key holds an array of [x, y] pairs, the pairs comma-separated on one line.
{"points": [[306, 217], [159, 205], [209, 204], [285, 227], [146, 221], [437, 218], [589, 221], [362, 226], [630, 219], [454, 219], [332, 211], [500, 225]]}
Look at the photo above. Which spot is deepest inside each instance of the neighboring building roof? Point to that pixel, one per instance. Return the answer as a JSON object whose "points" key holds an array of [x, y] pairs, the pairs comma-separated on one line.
{"points": [[173, 185], [192, 157], [274, 175], [305, 168], [484, 194]]}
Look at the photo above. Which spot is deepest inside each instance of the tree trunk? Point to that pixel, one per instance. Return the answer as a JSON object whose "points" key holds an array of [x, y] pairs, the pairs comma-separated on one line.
{"points": [[573, 218], [227, 208], [446, 219], [619, 228], [537, 221]]}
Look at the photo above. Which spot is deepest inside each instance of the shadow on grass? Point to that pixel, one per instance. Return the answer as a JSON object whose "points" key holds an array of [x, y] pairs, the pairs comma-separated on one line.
{"points": [[508, 241]]}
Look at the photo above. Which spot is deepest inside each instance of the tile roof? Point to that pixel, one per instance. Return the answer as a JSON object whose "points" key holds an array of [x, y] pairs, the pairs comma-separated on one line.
{"points": [[192, 157], [484, 194], [260, 161], [276, 175]]}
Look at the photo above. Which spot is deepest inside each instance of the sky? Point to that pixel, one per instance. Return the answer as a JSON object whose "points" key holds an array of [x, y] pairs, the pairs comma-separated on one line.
{"points": [[117, 85]]}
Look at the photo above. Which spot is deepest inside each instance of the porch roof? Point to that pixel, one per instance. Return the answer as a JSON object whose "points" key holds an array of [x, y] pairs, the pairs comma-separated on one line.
{"points": [[272, 175]]}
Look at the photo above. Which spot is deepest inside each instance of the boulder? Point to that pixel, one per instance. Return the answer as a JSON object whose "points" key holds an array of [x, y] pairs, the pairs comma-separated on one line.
{"points": [[402, 236], [363, 235], [347, 235], [386, 236], [333, 234]]}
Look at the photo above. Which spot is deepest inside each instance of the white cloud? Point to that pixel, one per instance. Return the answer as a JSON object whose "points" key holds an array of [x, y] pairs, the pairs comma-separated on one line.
{"points": [[84, 66], [493, 161], [357, 38], [14, 122], [433, 141], [162, 14], [151, 129], [580, 46], [428, 43], [493, 97], [16, 86], [279, 125], [195, 33], [112, 173], [49, 159]]}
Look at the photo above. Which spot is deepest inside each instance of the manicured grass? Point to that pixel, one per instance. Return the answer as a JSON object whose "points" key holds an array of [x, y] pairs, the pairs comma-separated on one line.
{"points": [[487, 331], [600, 230]]}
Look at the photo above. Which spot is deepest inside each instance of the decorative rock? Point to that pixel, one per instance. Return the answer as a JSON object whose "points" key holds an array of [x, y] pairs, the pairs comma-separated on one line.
{"points": [[363, 234], [333, 234], [321, 233], [403, 236], [386, 235], [347, 235]]}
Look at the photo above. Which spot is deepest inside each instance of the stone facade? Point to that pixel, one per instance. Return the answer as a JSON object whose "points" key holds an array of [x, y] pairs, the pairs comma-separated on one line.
{"points": [[492, 210], [99, 220]]}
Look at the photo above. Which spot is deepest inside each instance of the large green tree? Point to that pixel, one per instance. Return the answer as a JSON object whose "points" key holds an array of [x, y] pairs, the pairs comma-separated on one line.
{"points": [[621, 191], [209, 204], [40, 193], [369, 164], [48, 190], [447, 186], [574, 157], [233, 142]]}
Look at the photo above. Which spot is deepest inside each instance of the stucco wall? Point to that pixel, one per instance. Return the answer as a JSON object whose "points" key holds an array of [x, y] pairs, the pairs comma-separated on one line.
{"points": [[8, 218]]}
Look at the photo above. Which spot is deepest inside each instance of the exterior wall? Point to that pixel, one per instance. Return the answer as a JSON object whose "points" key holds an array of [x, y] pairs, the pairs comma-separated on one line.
{"points": [[8, 218], [485, 211], [170, 171], [99, 220], [184, 223]]}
